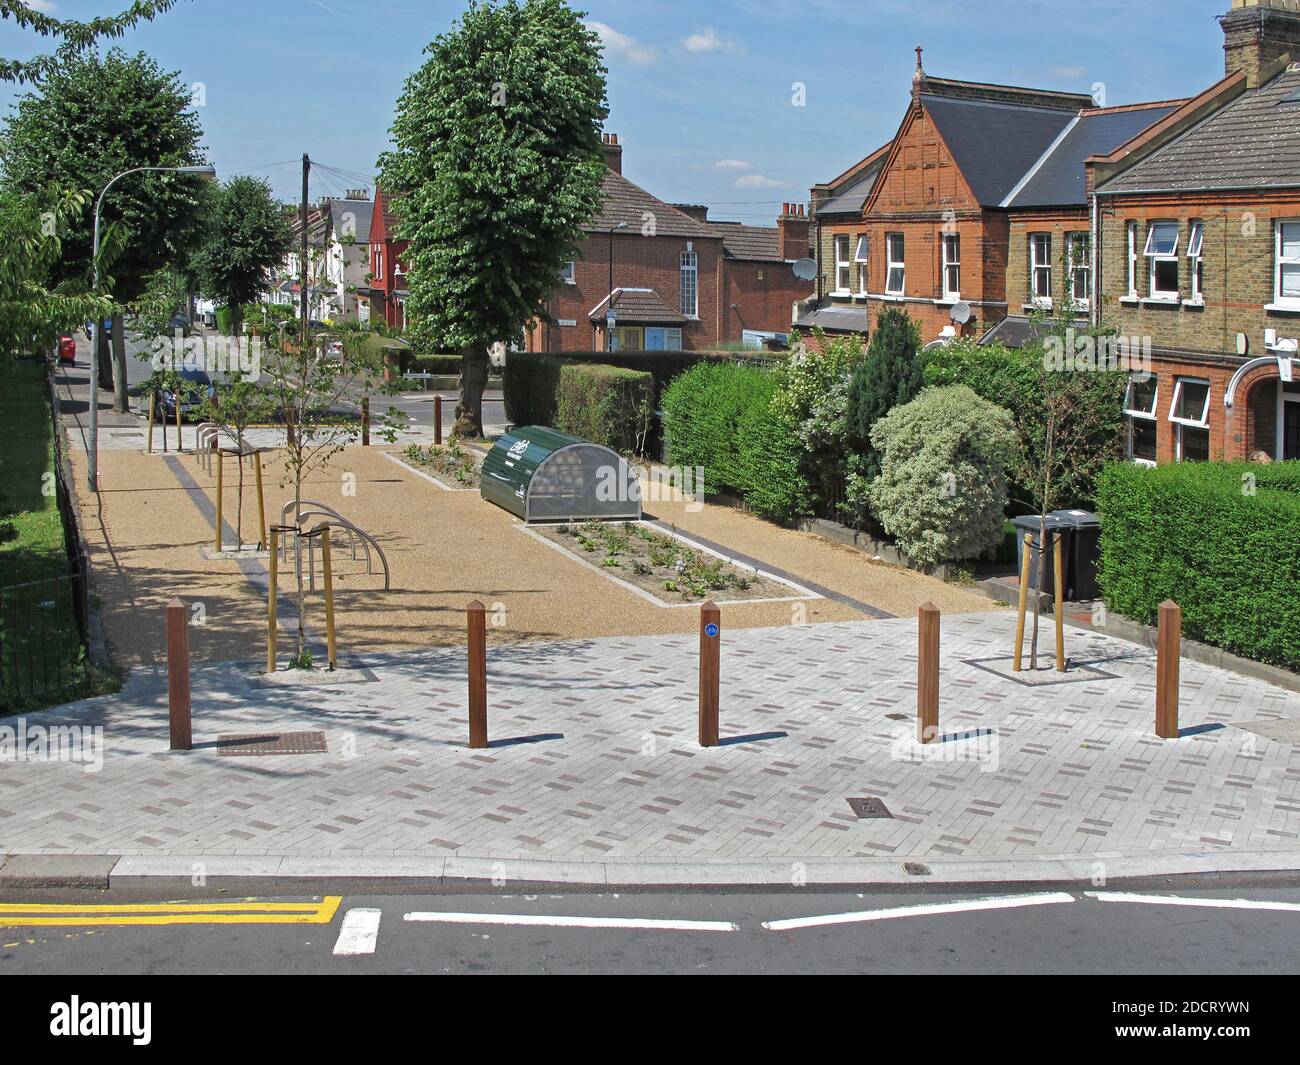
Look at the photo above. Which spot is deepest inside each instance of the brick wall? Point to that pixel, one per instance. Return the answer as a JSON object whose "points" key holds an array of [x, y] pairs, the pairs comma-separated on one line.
{"points": [[1021, 224], [760, 295]]}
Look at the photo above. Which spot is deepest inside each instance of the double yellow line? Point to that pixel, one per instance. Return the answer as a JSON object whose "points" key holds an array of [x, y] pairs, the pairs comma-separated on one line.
{"points": [[24, 915]]}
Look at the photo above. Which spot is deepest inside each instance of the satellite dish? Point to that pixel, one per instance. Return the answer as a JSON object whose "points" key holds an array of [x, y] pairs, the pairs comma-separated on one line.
{"points": [[805, 269], [960, 313], [1243, 344]]}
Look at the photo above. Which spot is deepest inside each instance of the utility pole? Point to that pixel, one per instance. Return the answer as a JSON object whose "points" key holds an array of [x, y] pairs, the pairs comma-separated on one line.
{"points": [[306, 171]]}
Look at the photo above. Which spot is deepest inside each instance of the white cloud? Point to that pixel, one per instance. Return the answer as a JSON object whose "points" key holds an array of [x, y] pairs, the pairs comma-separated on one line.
{"points": [[732, 164], [1069, 71], [758, 181], [621, 44], [709, 40]]}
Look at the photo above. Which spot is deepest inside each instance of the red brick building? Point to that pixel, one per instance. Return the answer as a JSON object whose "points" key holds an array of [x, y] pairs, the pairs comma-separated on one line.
{"points": [[387, 290], [678, 281]]}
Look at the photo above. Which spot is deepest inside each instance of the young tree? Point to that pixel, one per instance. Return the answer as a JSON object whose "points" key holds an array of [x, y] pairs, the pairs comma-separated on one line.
{"points": [[889, 376], [247, 237], [496, 166], [239, 405], [88, 121]]}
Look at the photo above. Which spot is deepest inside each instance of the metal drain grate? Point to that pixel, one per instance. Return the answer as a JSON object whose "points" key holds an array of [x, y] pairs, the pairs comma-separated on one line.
{"points": [[916, 869], [869, 808], [272, 743]]}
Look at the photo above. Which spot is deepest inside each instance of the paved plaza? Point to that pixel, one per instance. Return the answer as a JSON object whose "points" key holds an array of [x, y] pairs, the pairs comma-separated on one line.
{"points": [[594, 757]]}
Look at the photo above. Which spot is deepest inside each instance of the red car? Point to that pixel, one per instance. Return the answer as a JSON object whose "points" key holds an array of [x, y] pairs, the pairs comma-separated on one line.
{"points": [[67, 349]]}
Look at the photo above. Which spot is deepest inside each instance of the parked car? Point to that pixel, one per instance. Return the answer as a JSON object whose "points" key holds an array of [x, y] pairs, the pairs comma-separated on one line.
{"points": [[196, 385], [179, 321], [67, 349]]}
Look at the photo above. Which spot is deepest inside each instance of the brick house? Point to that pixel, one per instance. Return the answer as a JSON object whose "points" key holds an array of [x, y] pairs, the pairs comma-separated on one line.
{"points": [[387, 291], [1198, 242], [676, 280]]}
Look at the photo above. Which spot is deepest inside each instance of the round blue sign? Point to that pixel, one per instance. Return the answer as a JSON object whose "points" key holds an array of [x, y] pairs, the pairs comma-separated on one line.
{"points": [[710, 630]]}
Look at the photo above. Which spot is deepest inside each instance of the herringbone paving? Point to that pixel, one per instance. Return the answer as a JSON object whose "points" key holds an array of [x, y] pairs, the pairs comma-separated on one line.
{"points": [[595, 757]]}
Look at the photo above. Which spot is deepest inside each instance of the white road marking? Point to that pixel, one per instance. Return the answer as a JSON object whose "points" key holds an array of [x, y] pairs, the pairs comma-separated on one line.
{"points": [[359, 932], [1005, 902], [545, 921], [1179, 900]]}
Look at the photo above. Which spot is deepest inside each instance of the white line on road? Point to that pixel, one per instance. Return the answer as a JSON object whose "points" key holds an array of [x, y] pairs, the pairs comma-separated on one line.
{"points": [[359, 932], [1179, 900], [544, 921], [1006, 902]]}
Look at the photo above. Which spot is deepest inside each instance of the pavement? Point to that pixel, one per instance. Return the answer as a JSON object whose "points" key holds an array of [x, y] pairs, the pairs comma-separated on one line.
{"points": [[594, 775]]}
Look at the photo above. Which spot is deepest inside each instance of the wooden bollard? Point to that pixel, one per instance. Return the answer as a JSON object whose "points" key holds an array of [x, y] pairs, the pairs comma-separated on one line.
{"points": [[1168, 651], [927, 674], [329, 597], [273, 572], [1058, 551], [1026, 564], [178, 676], [477, 625], [437, 420], [710, 672], [365, 421], [220, 479]]}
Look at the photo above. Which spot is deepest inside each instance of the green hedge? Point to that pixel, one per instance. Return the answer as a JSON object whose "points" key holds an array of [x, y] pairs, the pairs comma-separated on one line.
{"points": [[531, 387], [605, 404], [1219, 539], [720, 418]]}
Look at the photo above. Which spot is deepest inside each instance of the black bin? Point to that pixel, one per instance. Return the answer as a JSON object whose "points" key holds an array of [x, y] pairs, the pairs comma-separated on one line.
{"points": [[1030, 524], [1083, 550]]}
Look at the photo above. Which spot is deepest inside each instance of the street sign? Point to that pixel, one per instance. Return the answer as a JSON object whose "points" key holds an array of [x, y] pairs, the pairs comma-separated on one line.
{"points": [[710, 630]]}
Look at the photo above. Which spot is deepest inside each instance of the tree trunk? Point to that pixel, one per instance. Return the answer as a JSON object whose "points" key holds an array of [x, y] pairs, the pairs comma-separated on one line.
{"points": [[236, 320], [473, 382], [104, 356], [120, 399]]}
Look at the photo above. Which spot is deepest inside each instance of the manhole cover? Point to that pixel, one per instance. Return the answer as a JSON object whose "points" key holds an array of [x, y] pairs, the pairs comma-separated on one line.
{"points": [[272, 743], [916, 869], [869, 808]]}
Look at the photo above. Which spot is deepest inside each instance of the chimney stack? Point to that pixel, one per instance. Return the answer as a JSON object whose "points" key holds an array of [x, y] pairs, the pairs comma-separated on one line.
{"points": [[613, 152], [794, 228], [358, 194], [1257, 33]]}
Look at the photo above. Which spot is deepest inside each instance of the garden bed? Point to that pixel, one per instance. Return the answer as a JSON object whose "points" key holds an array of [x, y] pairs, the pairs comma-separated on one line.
{"points": [[667, 568], [452, 466]]}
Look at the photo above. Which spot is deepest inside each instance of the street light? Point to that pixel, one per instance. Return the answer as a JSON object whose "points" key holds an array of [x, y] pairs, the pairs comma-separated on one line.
{"points": [[208, 173], [610, 314]]}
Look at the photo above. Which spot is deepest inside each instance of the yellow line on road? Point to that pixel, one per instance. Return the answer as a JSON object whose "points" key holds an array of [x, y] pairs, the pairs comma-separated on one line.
{"points": [[15, 915]]}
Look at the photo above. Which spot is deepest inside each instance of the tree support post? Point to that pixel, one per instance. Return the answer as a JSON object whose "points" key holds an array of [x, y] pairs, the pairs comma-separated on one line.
{"points": [[261, 500], [476, 619], [927, 674], [1058, 551], [329, 597], [149, 446], [220, 479], [710, 672], [273, 571], [1026, 561], [178, 677]]}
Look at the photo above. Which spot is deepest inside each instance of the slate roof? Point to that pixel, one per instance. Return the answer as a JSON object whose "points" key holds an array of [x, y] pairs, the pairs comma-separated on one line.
{"points": [[362, 212], [753, 243], [995, 144], [1252, 143], [1014, 331], [622, 201], [1059, 178], [836, 319], [639, 306], [853, 198]]}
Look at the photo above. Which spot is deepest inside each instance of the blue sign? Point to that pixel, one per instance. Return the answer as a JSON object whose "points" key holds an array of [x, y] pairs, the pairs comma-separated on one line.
{"points": [[710, 630]]}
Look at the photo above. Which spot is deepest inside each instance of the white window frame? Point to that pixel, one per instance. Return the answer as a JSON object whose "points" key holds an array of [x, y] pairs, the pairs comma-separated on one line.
{"points": [[1189, 423], [1132, 260], [1196, 261], [951, 266], [1281, 263], [1040, 265], [568, 273], [690, 284], [843, 267], [861, 255], [1147, 414], [1154, 257], [379, 262], [1079, 265], [898, 264]]}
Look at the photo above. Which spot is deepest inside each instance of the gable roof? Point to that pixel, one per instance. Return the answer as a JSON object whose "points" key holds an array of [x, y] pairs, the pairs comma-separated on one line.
{"points": [[622, 201], [1251, 143], [1059, 177], [753, 243], [994, 144], [640, 306]]}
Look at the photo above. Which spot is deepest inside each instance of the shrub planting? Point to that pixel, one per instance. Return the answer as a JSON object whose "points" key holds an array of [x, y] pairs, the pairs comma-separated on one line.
{"points": [[605, 404]]}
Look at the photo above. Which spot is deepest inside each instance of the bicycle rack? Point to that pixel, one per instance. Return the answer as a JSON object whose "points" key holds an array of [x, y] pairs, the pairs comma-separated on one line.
{"points": [[311, 509], [204, 434]]}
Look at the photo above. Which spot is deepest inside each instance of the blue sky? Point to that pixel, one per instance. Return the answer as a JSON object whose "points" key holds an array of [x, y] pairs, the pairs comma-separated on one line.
{"points": [[700, 92]]}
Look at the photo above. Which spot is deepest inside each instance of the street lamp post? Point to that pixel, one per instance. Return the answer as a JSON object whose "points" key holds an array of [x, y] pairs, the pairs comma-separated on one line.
{"points": [[92, 448], [609, 309]]}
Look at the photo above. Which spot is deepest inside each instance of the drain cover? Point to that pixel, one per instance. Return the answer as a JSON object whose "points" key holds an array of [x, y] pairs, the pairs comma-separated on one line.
{"points": [[916, 869], [272, 743], [869, 808]]}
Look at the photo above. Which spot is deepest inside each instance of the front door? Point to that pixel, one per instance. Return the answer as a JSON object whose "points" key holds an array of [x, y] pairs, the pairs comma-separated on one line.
{"points": [[1290, 431]]}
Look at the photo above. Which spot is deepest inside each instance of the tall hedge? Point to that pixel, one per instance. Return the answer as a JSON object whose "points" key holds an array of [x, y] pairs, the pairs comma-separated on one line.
{"points": [[605, 404], [720, 418], [1219, 539], [531, 389]]}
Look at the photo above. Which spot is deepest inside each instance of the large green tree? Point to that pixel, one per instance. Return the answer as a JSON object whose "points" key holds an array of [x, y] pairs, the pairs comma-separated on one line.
{"points": [[888, 377], [496, 165], [87, 122], [247, 237]]}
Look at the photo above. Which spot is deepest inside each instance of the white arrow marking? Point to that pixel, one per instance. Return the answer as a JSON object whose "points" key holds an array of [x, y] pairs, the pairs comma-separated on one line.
{"points": [[1005, 902], [359, 932], [1178, 900]]}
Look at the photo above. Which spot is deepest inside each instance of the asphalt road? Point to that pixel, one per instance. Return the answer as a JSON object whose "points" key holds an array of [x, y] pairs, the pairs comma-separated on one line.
{"points": [[1178, 929]]}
